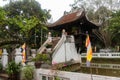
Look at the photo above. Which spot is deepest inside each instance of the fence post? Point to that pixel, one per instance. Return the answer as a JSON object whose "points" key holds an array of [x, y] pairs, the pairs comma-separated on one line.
{"points": [[4, 58], [49, 37], [18, 55]]}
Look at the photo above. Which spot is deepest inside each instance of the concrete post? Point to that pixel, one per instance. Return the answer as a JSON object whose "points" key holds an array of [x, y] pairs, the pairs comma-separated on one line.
{"points": [[4, 58], [64, 34], [49, 37], [18, 55], [33, 53]]}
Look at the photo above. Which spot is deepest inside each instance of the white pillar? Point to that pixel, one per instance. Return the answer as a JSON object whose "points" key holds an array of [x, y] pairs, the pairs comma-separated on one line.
{"points": [[4, 59], [18, 55], [33, 53], [49, 37], [64, 34]]}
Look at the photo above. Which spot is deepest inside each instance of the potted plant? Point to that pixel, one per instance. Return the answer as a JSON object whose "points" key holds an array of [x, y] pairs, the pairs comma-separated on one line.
{"points": [[40, 59], [13, 70], [28, 73]]}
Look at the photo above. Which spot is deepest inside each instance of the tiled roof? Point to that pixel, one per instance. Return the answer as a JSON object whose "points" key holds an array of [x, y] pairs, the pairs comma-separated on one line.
{"points": [[67, 18]]}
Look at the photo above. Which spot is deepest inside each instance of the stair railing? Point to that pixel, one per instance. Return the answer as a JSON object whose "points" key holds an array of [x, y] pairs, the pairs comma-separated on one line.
{"points": [[59, 44], [42, 48]]}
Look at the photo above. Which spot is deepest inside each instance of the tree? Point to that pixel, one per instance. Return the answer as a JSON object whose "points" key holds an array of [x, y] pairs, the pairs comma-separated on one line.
{"points": [[24, 24], [2, 17], [114, 27], [25, 17], [27, 8], [3, 23], [102, 16]]}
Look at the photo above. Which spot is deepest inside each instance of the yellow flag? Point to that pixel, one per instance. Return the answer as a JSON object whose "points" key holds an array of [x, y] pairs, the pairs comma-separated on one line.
{"points": [[89, 50], [0, 52], [23, 53]]}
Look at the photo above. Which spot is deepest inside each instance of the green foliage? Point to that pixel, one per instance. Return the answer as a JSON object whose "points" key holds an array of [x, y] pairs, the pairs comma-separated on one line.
{"points": [[13, 68], [25, 24], [2, 16], [57, 78], [28, 72], [3, 23], [41, 57], [115, 23], [27, 8], [24, 19], [115, 27]]}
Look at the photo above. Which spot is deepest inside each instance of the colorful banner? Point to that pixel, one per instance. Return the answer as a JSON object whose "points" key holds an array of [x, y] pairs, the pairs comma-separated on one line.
{"points": [[0, 52], [23, 53], [89, 51]]}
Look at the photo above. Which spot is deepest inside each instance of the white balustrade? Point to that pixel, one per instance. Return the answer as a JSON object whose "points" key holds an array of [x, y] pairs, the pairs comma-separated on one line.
{"points": [[104, 66], [47, 74], [103, 55]]}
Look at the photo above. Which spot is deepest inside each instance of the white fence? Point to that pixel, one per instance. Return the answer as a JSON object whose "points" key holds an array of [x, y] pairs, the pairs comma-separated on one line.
{"points": [[103, 55], [47, 74], [4, 57], [103, 66]]}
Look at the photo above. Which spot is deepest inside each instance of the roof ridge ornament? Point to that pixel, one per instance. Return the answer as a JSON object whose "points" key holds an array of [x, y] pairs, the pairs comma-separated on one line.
{"points": [[79, 13]]}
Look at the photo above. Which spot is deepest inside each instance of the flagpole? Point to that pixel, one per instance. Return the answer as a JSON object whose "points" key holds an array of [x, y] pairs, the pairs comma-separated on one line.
{"points": [[88, 64], [91, 72], [89, 54]]}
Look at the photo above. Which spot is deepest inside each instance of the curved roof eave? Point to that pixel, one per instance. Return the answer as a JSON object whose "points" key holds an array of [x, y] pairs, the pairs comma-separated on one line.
{"points": [[71, 17]]}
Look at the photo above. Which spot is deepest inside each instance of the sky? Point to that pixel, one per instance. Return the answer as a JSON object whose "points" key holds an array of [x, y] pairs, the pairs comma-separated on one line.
{"points": [[57, 7]]}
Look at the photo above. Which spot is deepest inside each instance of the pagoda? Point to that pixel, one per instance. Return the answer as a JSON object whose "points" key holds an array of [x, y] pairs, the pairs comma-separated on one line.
{"points": [[76, 23]]}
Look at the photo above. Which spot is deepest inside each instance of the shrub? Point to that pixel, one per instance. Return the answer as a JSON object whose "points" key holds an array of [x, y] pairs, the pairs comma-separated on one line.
{"points": [[13, 68], [28, 72]]}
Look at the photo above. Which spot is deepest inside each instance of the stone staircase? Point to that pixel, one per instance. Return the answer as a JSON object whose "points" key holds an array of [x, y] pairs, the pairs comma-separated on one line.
{"points": [[49, 46], [54, 42], [61, 50]]}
